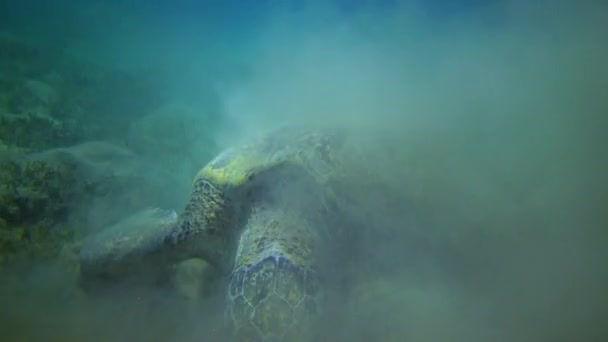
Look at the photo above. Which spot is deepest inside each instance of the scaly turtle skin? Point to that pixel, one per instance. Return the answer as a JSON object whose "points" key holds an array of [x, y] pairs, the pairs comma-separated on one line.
{"points": [[127, 247], [261, 212]]}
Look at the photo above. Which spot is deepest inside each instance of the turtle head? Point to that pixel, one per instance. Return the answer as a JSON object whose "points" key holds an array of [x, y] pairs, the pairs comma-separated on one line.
{"points": [[218, 205]]}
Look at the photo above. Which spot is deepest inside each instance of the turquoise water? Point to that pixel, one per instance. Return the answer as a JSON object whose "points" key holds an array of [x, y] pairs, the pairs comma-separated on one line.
{"points": [[483, 120]]}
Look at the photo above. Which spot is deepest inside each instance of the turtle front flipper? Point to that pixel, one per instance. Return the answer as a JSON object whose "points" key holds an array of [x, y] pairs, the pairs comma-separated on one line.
{"points": [[154, 239], [133, 246]]}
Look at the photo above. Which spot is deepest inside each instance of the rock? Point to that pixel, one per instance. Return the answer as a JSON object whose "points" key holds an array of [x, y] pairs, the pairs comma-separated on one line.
{"points": [[35, 130], [51, 197], [40, 91]]}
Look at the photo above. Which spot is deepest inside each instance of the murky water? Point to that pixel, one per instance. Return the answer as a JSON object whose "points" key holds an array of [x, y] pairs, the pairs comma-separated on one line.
{"points": [[482, 126]]}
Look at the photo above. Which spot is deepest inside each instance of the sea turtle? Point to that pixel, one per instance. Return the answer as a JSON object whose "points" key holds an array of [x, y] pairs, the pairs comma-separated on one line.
{"points": [[266, 213]]}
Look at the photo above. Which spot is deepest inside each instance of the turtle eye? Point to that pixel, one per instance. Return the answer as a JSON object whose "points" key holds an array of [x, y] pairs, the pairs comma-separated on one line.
{"points": [[251, 177]]}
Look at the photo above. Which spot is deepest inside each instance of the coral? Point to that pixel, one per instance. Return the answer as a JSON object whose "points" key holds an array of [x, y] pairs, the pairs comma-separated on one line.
{"points": [[34, 197]]}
